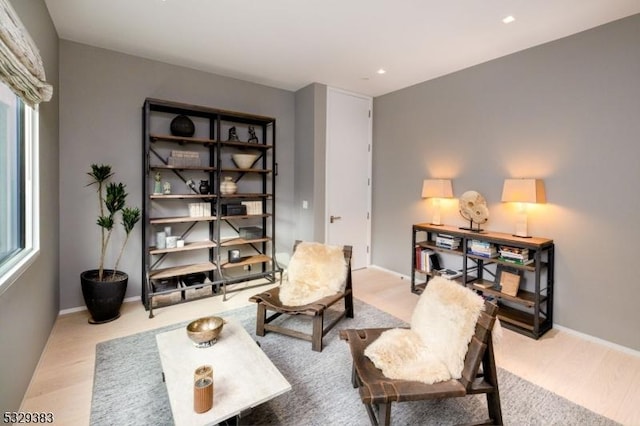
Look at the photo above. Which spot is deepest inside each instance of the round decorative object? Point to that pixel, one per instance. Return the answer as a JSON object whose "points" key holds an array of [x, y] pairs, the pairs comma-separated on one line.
{"points": [[228, 186], [244, 161], [204, 331], [182, 125], [473, 207]]}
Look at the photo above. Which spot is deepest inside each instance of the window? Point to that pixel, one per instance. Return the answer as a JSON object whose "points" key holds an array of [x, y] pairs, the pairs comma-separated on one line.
{"points": [[18, 186]]}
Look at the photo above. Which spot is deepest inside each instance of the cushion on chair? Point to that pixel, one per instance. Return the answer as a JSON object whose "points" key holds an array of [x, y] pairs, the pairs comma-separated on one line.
{"points": [[433, 350], [315, 271]]}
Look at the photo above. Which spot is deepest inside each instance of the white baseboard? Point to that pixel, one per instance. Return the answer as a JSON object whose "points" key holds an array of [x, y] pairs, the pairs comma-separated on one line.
{"points": [[584, 336], [598, 340]]}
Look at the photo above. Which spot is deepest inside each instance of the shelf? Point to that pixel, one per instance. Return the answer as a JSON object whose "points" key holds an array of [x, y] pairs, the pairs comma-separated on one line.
{"points": [[181, 219], [434, 247], [240, 241], [194, 168], [181, 196], [236, 170], [247, 260], [244, 216], [196, 245], [244, 145], [247, 195], [525, 298], [181, 140], [215, 160], [176, 271]]}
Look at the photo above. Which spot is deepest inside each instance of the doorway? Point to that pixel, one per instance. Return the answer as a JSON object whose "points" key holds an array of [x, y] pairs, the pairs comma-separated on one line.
{"points": [[348, 173]]}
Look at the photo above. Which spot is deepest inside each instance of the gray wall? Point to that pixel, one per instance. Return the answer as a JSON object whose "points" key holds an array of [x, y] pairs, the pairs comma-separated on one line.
{"points": [[310, 161], [567, 112], [29, 307], [101, 96]]}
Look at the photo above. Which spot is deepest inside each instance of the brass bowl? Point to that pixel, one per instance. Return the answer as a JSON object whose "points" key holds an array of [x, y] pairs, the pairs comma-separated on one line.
{"points": [[204, 331]]}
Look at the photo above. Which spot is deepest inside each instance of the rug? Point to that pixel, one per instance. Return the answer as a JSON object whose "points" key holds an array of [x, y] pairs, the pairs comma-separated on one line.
{"points": [[128, 387]]}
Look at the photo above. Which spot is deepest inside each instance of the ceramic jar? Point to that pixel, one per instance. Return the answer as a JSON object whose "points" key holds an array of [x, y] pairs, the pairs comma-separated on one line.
{"points": [[204, 187], [228, 186]]}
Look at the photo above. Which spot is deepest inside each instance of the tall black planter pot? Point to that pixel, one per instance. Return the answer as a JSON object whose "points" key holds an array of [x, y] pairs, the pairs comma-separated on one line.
{"points": [[103, 298]]}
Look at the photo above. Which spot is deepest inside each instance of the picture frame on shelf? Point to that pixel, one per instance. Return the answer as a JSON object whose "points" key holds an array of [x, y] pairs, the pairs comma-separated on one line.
{"points": [[508, 280]]}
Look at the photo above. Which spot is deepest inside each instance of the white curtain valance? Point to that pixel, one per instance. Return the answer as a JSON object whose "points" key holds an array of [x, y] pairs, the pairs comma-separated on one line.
{"points": [[20, 62]]}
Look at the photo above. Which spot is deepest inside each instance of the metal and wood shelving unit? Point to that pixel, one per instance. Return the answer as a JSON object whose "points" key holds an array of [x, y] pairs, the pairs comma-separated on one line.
{"points": [[207, 238], [530, 311]]}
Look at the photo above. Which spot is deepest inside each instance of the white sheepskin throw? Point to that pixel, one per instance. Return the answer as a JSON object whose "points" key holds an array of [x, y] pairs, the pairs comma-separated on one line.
{"points": [[434, 349], [315, 271]]}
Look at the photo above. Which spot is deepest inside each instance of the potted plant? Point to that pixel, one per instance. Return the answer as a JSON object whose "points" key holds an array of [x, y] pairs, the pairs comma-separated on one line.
{"points": [[104, 289]]}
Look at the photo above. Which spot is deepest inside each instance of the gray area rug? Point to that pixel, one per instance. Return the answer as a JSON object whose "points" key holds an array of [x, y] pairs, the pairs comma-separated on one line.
{"points": [[128, 387]]}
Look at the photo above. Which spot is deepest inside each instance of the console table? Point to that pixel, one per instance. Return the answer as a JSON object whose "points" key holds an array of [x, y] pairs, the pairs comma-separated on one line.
{"points": [[530, 311]]}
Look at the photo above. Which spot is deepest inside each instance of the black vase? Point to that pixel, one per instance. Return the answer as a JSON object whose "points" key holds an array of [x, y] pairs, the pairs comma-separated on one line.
{"points": [[182, 126], [103, 298], [204, 187]]}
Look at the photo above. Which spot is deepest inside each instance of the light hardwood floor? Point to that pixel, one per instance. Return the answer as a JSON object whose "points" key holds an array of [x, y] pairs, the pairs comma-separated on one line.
{"points": [[590, 374]]}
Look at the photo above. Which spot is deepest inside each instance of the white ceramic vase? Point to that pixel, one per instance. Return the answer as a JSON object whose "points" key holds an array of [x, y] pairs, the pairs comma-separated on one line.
{"points": [[228, 186]]}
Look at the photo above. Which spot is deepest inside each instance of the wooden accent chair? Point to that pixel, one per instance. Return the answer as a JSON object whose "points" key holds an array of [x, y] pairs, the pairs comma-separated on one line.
{"points": [[378, 392], [270, 301]]}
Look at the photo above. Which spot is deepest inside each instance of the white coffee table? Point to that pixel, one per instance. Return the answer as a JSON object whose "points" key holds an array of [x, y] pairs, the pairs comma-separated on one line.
{"points": [[243, 376]]}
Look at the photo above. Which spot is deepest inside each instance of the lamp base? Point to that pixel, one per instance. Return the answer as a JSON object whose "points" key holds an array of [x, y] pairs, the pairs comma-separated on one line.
{"points": [[521, 236], [436, 224]]}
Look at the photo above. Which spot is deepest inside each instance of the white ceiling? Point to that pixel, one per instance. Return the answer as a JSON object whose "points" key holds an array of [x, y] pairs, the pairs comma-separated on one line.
{"points": [[342, 43]]}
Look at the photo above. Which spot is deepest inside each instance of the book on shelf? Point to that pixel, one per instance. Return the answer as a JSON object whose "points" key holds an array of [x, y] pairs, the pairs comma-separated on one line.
{"points": [[484, 284], [516, 261], [514, 250], [450, 273], [515, 255], [482, 248], [482, 254], [426, 260], [448, 241]]}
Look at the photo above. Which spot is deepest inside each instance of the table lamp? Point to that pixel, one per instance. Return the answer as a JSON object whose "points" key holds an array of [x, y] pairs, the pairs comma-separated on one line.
{"points": [[523, 191], [436, 189]]}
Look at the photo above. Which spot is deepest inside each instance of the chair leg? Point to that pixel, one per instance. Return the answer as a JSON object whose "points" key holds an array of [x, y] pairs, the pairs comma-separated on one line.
{"points": [[354, 376], [379, 414], [493, 404], [260, 318], [384, 414], [348, 305], [491, 375], [316, 338]]}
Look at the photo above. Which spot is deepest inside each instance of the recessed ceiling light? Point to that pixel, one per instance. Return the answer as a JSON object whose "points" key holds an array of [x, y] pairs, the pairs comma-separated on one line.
{"points": [[381, 71], [509, 19]]}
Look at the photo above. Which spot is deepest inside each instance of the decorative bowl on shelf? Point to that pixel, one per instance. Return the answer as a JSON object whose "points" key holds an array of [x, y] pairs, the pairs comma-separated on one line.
{"points": [[244, 161], [182, 125], [205, 331]]}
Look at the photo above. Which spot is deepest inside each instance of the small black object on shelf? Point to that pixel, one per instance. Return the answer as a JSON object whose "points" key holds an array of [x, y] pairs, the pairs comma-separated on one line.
{"points": [[233, 135], [204, 187], [182, 125], [234, 256], [195, 278]]}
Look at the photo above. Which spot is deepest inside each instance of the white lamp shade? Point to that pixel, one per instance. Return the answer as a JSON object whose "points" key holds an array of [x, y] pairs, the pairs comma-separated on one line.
{"points": [[523, 191], [437, 188]]}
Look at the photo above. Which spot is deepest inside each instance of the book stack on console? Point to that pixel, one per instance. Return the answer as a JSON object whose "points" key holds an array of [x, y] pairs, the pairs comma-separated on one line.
{"points": [[482, 248], [426, 260], [515, 255], [448, 241]]}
